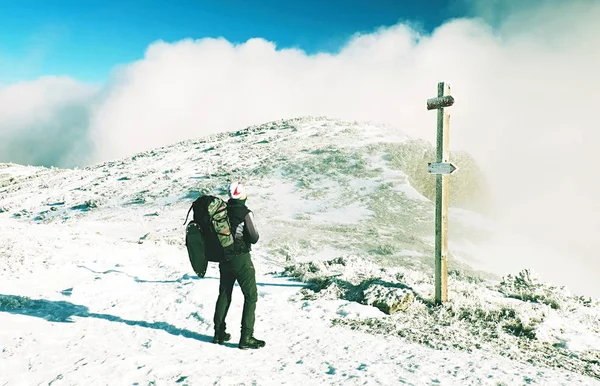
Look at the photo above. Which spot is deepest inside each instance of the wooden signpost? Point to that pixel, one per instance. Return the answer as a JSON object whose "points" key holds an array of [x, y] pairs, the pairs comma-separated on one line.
{"points": [[442, 168]]}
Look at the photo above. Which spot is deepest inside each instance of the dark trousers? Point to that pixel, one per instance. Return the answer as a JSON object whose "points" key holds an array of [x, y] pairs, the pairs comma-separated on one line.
{"points": [[240, 268]]}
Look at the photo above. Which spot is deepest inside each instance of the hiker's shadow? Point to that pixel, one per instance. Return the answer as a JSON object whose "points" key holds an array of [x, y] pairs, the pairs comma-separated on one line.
{"points": [[62, 312]]}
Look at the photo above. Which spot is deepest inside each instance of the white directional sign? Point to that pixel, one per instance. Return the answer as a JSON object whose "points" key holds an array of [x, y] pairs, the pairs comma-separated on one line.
{"points": [[441, 167]]}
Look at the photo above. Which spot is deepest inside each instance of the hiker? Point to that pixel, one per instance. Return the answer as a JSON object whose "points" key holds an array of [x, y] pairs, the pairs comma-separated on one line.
{"points": [[238, 267]]}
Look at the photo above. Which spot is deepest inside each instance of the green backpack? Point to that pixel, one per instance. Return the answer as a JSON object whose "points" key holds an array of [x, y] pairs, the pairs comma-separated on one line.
{"points": [[208, 236]]}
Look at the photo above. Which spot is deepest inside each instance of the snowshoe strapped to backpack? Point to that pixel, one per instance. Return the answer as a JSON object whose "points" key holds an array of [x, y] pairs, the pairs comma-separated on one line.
{"points": [[196, 247], [208, 235]]}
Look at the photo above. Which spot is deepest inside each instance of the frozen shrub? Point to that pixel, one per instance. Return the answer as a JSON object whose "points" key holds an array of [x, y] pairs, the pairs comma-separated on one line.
{"points": [[527, 287]]}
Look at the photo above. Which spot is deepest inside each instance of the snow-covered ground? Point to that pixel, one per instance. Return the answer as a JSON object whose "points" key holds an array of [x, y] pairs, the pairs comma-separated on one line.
{"points": [[96, 288]]}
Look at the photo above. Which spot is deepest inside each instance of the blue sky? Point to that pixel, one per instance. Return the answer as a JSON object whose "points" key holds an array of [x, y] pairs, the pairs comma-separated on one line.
{"points": [[86, 39]]}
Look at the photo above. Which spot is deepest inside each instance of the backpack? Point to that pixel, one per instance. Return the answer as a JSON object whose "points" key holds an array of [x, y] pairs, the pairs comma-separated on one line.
{"points": [[208, 235]]}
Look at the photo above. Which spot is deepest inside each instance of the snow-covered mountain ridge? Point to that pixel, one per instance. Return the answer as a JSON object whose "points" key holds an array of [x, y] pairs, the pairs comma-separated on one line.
{"points": [[334, 211]]}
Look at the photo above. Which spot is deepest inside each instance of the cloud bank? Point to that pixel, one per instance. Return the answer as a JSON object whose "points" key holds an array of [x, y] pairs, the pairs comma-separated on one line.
{"points": [[525, 80], [44, 122]]}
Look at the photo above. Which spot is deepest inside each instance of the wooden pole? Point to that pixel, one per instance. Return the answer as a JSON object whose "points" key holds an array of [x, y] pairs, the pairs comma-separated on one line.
{"points": [[441, 274], [442, 168]]}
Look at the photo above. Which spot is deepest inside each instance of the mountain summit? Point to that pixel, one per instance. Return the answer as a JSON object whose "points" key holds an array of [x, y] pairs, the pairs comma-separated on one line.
{"points": [[96, 287]]}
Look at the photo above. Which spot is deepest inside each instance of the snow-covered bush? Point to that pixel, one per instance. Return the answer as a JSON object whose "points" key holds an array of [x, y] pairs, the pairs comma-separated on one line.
{"points": [[526, 286], [513, 318]]}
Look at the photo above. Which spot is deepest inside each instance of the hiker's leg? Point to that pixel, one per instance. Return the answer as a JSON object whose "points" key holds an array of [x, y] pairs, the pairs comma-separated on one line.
{"points": [[246, 277], [226, 283]]}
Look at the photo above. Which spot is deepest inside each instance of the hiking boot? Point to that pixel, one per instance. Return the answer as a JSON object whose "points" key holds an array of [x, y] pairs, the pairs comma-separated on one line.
{"points": [[251, 342], [221, 337]]}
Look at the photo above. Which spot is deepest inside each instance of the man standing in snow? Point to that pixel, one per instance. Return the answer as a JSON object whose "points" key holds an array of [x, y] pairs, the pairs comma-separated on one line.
{"points": [[238, 267]]}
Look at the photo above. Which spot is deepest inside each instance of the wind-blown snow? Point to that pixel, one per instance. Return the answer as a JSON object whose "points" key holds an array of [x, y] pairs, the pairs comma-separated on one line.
{"points": [[96, 287]]}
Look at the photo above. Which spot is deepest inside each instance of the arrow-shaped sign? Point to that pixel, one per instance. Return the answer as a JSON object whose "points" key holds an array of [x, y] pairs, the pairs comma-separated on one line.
{"points": [[442, 167]]}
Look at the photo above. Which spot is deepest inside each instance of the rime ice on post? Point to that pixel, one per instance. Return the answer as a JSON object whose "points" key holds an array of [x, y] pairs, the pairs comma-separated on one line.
{"points": [[441, 168]]}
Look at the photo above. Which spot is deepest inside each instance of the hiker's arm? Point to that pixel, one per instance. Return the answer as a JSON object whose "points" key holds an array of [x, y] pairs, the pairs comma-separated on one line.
{"points": [[251, 233]]}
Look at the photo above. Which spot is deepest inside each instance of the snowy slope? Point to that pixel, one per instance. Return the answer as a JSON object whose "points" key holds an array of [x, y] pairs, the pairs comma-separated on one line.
{"points": [[95, 286]]}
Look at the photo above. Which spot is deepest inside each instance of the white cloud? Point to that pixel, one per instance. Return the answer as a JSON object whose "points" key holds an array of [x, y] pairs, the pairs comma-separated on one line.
{"points": [[25, 103], [525, 86], [45, 122]]}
